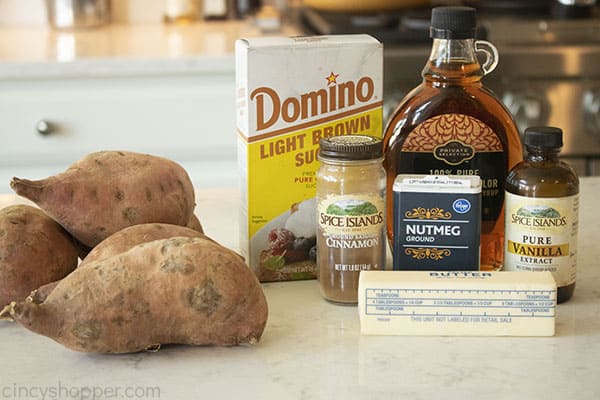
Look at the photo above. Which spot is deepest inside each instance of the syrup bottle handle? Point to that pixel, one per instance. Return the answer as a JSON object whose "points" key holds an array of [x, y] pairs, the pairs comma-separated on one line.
{"points": [[491, 55]]}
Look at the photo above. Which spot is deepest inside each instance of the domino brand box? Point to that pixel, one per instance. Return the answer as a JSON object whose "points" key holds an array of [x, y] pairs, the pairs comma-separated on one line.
{"points": [[291, 92]]}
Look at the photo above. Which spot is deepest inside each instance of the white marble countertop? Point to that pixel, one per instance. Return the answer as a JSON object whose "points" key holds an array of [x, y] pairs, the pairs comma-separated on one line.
{"points": [[313, 350], [123, 49]]}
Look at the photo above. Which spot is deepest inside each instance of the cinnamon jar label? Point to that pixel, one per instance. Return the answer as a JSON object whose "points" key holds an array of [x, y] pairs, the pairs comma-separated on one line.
{"points": [[355, 215], [352, 225]]}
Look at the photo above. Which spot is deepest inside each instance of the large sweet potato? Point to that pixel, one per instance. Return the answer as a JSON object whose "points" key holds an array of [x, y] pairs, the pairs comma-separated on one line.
{"points": [[193, 223], [107, 191], [120, 242], [177, 290], [132, 236], [34, 250]]}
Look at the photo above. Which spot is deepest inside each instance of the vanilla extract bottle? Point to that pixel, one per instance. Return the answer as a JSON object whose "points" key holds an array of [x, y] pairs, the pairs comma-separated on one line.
{"points": [[542, 204], [452, 125]]}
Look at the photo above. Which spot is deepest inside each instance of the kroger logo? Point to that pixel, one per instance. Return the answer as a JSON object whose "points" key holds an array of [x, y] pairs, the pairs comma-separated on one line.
{"points": [[461, 206]]}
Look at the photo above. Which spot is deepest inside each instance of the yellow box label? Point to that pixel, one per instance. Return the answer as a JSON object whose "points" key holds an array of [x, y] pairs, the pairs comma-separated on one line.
{"points": [[291, 92], [282, 167]]}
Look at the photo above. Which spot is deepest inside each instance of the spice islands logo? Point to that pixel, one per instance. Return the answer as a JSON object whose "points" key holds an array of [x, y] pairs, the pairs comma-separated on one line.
{"points": [[537, 249], [351, 215], [538, 216], [362, 217], [352, 207]]}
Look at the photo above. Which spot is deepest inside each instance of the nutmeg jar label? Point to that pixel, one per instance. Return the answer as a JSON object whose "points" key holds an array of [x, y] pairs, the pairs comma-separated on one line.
{"points": [[437, 223]]}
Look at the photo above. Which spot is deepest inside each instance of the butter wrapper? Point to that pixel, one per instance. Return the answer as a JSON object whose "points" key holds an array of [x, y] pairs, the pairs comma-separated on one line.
{"points": [[457, 303]]}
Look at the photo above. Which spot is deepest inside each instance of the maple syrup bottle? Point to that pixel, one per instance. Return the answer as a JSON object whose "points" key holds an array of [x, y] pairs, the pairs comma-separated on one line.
{"points": [[452, 125]]}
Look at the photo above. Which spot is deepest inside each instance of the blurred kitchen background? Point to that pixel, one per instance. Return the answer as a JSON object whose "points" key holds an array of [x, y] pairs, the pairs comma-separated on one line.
{"points": [[157, 76]]}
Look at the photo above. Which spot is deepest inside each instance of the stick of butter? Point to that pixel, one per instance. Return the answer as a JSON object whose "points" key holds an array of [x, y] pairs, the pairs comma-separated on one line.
{"points": [[457, 303]]}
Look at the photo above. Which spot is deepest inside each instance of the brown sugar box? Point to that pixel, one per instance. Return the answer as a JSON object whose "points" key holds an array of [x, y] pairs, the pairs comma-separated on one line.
{"points": [[457, 303], [290, 93]]}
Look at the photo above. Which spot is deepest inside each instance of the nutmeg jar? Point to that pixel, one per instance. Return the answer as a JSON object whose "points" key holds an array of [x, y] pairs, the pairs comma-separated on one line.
{"points": [[350, 214]]}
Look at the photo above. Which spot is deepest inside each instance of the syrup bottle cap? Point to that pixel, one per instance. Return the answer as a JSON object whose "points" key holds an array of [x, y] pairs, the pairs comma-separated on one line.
{"points": [[453, 23]]}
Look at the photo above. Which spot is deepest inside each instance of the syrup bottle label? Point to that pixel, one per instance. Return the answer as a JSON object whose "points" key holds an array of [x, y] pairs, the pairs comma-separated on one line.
{"points": [[457, 144]]}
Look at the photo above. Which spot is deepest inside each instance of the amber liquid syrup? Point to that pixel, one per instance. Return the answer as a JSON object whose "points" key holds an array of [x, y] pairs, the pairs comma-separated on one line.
{"points": [[455, 88]]}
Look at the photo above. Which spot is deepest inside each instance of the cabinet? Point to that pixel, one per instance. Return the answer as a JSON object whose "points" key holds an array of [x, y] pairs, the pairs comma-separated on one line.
{"points": [[46, 123]]}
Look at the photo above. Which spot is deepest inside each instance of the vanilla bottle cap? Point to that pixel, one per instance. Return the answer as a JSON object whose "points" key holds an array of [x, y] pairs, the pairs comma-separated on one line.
{"points": [[544, 137]]}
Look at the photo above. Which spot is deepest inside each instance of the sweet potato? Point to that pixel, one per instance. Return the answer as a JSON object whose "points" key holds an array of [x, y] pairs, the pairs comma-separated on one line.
{"points": [[130, 237], [120, 242], [107, 191], [194, 223], [177, 290], [39, 295], [34, 250]]}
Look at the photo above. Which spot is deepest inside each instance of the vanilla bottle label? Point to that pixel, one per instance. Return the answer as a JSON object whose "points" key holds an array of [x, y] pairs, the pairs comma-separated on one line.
{"points": [[541, 235]]}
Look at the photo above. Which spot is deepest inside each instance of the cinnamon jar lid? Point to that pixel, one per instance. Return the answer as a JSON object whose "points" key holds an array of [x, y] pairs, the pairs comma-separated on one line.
{"points": [[351, 147]]}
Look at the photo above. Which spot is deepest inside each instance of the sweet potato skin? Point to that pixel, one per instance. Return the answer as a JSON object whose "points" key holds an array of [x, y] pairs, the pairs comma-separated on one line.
{"points": [[194, 223], [107, 191], [39, 295], [177, 290], [130, 237], [120, 242], [34, 250]]}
